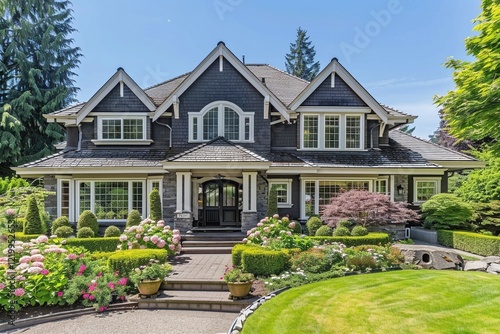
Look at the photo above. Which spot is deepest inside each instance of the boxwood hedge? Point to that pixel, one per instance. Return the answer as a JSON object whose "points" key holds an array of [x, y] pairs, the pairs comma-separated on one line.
{"points": [[484, 245]]}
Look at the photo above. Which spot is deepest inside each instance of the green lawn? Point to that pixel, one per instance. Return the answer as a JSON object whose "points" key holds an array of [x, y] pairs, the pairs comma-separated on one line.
{"points": [[403, 302]]}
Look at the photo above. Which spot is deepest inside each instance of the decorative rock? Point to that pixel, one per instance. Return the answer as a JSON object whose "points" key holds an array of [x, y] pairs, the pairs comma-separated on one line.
{"points": [[475, 266], [238, 325], [494, 268], [491, 259], [235, 332]]}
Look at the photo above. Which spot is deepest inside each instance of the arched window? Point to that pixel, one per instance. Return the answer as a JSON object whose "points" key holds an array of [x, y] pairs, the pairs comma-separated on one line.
{"points": [[221, 119]]}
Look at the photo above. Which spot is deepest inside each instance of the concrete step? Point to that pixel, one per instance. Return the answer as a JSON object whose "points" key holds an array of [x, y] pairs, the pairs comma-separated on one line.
{"points": [[210, 243], [206, 250], [194, 285], [238, 236], [193, 300]]}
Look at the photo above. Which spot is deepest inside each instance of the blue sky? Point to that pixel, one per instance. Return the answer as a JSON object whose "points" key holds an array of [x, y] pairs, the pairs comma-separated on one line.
{"points": [[394, 48]]}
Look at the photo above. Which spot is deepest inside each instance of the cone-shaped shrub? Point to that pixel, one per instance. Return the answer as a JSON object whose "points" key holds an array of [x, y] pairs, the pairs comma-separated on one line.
{"points": [[33, 223], [272, 202], [155, 205], [134, 218], [88, 219]]}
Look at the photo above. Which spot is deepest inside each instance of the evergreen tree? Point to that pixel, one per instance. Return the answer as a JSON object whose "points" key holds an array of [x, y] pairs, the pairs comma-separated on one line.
{"points": [[36, 69], [155, 205], [33, 223], [300, 61], [272, 202], [407, 129]]}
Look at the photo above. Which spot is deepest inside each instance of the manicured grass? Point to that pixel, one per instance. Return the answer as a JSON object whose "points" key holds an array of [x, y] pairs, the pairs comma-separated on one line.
{"points": [[407, 301]]}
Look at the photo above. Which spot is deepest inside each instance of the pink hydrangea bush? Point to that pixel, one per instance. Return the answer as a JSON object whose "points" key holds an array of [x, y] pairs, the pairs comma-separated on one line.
{"points": [[151, 234]]}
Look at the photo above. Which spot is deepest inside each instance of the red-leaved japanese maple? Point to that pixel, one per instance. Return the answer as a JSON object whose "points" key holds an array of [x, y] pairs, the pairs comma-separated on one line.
{"points": [[366, 208]]}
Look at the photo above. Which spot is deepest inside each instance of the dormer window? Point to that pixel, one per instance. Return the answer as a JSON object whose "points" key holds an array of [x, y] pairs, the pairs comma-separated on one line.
{"points": [[221, 119], [119, 130], [332, 131]]}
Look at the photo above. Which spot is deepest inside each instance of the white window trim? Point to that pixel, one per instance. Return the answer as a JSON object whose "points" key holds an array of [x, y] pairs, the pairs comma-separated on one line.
{"points": [[387, 185], [436, 180], [71, 211], [303, 180], [220, 105], [92, 195], [342, 131], [288, 183], [101, 141]]}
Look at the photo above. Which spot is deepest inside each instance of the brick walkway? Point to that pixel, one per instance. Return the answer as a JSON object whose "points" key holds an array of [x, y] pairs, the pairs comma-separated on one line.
{"points": [[209, 267]]}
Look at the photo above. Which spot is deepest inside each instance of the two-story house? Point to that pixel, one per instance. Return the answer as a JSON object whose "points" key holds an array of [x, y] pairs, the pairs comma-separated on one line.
{"points": [[214, 141]]}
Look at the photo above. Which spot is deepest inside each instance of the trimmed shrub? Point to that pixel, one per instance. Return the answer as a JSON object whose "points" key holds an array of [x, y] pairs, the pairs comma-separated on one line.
{"points": [[370, 239], [259, 261], [312, 261], [272, 202], [64, 231], [344, 223], [313, 224], [58, 222], [95, 244], [20, 236], [324, 231], [134, 218], [341, 232], [33, 223], [238, 250], [446, 212], [85, 232], [480, 244], [359, 231], [101, 255], [361, 262], [112, 231], [88, 219], [126, 261], [155, 205], [298, 228], [20, 224]]}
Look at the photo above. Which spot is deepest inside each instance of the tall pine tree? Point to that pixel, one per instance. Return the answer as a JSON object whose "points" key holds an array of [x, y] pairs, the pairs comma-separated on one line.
{"points": [[37, 60], [300, 61]]}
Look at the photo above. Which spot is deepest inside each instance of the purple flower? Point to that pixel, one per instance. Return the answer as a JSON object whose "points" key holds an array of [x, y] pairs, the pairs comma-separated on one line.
{"points": [[60, 294]]}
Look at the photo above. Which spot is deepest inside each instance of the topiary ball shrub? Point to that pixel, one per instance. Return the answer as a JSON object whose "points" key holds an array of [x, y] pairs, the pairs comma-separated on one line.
{"points": [[341, 232], [58, 222], [88, 219], [344, 223], [85, 232], [359, 231], [112, 231], [33, 223], [64, 231], [324, 231], [298, 228], [134, 218], [313, 224]]}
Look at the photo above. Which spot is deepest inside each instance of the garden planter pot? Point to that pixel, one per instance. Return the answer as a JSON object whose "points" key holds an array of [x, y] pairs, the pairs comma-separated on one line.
{"points": [[239, 289], [149, 287]]}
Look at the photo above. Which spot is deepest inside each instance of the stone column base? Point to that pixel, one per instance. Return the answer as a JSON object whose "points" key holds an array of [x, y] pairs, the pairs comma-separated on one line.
{"points": [[183, 222], [248, 220]]}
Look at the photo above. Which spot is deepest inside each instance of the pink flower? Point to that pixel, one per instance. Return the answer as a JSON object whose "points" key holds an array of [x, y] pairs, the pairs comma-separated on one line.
{"points": [[82, 268], [160, 223], [37, 258], [25, 259], [137, 236], [44, 272], [291, 225], [10, 213], [35, 270], [19, 292], [245, 240], [85, 296], [123, 237], [22, 266], [172, 247], [122, 281], [146, 238], [111, 285], [155, 239], [276, 216], [176, 232], [91, 288], [34, 251], [37, 264], [42, 239], [91, 297], [63, 242], [260, 224], [60, 294], [71, 256], [102, 308], [2, 286]]}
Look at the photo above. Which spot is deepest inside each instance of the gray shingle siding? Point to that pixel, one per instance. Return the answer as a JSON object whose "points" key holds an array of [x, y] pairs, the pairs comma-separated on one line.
{"points": [[228, 85], [128, 103], [340, 95], [284, 135]]}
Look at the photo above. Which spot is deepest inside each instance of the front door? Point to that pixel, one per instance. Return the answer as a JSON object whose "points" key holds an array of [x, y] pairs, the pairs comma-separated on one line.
{"points": [[220, 203]]}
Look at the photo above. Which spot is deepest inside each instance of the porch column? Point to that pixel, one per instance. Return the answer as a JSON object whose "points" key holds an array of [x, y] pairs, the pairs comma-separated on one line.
{"points": [[249, 214], [392, 187], [183, 198]]}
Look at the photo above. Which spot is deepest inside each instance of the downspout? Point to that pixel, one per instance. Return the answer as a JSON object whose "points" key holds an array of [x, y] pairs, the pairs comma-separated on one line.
{"points": [[170, 132], [80, 137]]}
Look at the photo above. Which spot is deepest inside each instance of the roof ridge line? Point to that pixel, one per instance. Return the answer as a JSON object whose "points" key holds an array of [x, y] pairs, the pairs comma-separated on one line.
{"points": [[166, 81], [290, 75]]}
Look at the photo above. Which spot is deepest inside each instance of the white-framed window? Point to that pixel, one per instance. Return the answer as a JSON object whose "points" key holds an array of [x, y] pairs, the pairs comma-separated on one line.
{"points": [[221, 119], [332, 131], [425, 187], [382, 186], [121, 128], [111, 199], [318, 193], [64, 196], [283, 189]]}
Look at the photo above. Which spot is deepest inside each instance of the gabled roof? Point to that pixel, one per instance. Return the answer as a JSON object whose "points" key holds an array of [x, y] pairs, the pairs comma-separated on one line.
{"points": [[221, 50], [119, 76], [334, 67], [217, 150], [159, 92], [435, 153]]}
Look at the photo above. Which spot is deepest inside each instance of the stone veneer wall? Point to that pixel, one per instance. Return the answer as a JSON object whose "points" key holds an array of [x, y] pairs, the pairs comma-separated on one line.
{"points": [[401, 180], [169, 198]]}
